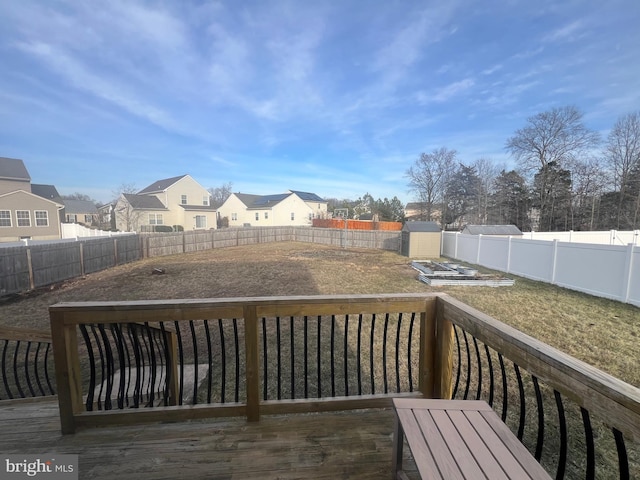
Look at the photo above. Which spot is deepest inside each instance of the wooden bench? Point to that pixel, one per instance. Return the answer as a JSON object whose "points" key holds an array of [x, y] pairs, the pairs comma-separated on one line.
{"points": [[459, 439]]}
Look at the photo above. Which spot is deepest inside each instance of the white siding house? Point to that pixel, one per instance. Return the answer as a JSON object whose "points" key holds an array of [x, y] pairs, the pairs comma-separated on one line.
{"points": [[290, 208]]}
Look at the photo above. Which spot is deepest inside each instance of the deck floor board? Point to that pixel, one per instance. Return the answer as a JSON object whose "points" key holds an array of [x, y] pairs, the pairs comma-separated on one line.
{"points": [[354, 445]]}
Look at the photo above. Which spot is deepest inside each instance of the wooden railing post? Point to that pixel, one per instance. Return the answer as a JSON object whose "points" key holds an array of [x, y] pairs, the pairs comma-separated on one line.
{"points": [[252, 371], [443, 387], [172, 367], [427, 372], [67, 365]]}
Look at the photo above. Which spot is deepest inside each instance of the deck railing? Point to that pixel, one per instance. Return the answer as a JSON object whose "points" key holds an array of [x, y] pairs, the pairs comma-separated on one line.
{"points": [[128, 362], [26, 364]]}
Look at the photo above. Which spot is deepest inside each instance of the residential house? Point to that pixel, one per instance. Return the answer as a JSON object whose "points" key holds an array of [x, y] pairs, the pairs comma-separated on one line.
{"points": [[178, 202], [23, 213], [495, 230], [417, 211], [50, 192], [290, 208], [83, 212]]}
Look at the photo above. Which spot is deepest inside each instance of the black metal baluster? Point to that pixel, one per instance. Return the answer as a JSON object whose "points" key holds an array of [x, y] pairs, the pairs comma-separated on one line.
{"points": [[522, 402], [479, 391], [623, 459], [92, 368], [333, 353], [223, 374], [168, 357], [102, 365], [279, 363], [128, 364], [115, 333], [209, 359], [110, 365], [346, 355], [491, 380], [265, 363], [318, 354], [5, 375], [591, 450], [152, 354], [137, 354], [359, 359], [181, 357], [413, 316], [162, 364], [398, 353], [505, 401], [236, 395], [26, 370], [384, 353], [373, 379], [46, 369], [144, 353], [36, 371], [459, 369], [15, 369], [293, 363], [306, 357], [468, 350], [562, 421], [540, 407]]}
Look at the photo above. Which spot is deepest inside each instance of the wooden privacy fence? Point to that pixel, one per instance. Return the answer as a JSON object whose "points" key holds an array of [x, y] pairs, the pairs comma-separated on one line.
{"points": [[356, 224], [32, 266], [255, 356]]}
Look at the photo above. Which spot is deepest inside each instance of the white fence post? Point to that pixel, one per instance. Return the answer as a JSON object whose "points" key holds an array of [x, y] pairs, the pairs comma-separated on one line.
{"points": [[626, 284], [509, 255], [554, 261], [455, 249], [478, 250]]}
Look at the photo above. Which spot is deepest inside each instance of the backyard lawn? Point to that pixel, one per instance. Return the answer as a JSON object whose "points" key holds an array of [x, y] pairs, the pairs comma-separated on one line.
{"points": [[601, 332]]}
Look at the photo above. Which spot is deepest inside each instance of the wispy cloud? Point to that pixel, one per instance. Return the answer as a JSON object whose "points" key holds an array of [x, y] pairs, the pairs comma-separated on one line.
{"points": [[446, 93], [569, 32]]}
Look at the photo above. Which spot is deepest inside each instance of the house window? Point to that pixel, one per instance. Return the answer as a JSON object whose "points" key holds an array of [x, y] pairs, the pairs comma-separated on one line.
{"points": [[311, 216], [24, 218], [5, 218], [205, 201], [201, 221], [293, 216], [72, 218], [183, 199], [155, 219], [42, 218], [234, 216], [266, 215], [257, 216], [88, 218]]}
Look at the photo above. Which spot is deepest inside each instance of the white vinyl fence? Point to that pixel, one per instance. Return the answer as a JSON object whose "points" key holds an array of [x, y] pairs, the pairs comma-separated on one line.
{"points": [[610, 271], [608, 237]]}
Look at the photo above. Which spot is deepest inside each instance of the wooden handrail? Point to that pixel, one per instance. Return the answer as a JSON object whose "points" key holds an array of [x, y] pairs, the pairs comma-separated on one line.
{"points": [[24, 334]]}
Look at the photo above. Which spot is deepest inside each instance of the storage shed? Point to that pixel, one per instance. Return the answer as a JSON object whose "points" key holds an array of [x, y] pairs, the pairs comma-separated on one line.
{"points": [[421, 239]]}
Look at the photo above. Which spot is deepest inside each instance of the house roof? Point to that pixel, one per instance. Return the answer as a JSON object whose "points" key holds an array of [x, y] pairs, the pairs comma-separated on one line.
{"points": [[161, 185], [79, 206], [144, 202], [268, 201], [13, 169], [247, 198], [37, 197], [416, 206], [421, 227], [492, 230], [46, 191], [308, 197]]}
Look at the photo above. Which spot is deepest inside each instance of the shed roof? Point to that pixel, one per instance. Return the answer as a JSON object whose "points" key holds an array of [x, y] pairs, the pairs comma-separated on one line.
{"points": [[421, 227], [492, 230], [13, 169]]}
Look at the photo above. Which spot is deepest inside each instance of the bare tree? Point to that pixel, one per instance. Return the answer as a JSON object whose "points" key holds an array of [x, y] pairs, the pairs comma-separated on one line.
{"points": [[429, 175], [220, 194], [487, 172], [123, 211], [556, 137], [622, 153]]}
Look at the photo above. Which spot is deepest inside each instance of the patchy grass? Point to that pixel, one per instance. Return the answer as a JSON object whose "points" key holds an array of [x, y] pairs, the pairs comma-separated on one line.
{"points": [[601, 332]]}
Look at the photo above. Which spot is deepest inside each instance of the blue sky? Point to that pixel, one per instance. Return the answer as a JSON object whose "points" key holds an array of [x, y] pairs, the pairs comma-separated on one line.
{"points": [[337, 98]]}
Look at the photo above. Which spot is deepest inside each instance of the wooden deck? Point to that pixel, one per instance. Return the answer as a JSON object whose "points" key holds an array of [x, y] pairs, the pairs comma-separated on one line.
{"points": [[354, 445]]}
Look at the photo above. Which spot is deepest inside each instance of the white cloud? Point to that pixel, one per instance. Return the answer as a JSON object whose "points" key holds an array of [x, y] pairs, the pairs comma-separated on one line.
{"points": [[569, 32], [446, 93]]}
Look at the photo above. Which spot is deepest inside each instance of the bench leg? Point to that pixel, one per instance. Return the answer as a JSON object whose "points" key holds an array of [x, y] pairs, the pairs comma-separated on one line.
{"points": [[398, 441]]}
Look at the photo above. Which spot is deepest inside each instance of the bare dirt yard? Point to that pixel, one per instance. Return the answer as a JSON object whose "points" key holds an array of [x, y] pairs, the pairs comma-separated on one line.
{"points": [[601, 332]]}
